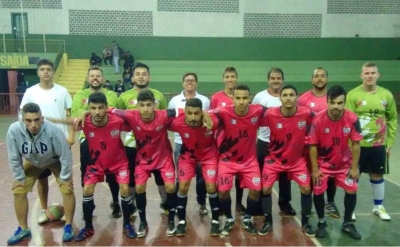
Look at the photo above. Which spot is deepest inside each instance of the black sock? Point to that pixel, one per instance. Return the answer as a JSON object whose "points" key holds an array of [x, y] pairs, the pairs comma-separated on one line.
{"points": [[331, 190], [127, 208], [88, 208], [252, 206], [141, 202], [214, 205], [306, 204], [239, 191], [350, 201], [181, 206], [226, 207], [266, 205], [319, 204], [114, 188], [171, 201]]}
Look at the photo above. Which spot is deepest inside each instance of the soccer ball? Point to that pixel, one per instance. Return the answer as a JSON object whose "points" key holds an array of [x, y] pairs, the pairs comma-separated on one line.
{"points": [[55, 211]]}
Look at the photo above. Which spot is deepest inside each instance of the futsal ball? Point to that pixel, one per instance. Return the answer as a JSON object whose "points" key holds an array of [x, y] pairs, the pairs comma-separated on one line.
{"points": [[55, 211]]}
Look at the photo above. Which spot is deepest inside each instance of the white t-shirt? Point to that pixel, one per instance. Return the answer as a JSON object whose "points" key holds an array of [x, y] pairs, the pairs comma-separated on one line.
{"points": [[179, 101], [52, 102], [265, 99]]}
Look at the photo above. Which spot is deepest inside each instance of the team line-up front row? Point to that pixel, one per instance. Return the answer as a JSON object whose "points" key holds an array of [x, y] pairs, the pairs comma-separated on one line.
{"points": [[308, 147]]}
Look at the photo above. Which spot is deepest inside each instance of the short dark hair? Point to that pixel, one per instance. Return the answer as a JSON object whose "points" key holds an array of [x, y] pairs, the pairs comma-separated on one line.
{"points": [[230, 69], [189, 73], [45, 61], [95, 67], [276, 70], [288, 86], [242, 87], [335, 91], [31, 108], [146, 94], [326, 72], [141, 65], [97, 98], [194, 102]]}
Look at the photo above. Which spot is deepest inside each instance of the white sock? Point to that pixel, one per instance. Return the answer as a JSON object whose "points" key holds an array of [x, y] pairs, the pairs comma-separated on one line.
{"points": [[378, 191]]}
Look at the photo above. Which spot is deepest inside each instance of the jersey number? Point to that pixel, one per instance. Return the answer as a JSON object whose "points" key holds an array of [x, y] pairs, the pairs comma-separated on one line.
{"points": [[243, 133], [103, 145], [373, 113], [335, 141]]}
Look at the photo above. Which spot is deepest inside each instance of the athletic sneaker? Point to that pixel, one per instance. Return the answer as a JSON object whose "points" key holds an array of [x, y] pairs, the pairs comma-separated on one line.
{"points": [[181, 229], [215, 228], [229, 224], [19, 235], [129, 231], [116, 209], [351, 230], [84, 233], [332, 210], [171, 228], [42, 217], [249, 227], [353, 217], [265, 229], [240, 209], [143, 230], [203, 210], [164, 207], [68, 234], [308, 230], [381, 212], [287, 209], [321, 230]]}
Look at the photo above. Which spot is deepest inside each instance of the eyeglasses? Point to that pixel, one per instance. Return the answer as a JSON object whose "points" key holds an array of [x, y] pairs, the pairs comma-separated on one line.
{"points": [[190, 81]]}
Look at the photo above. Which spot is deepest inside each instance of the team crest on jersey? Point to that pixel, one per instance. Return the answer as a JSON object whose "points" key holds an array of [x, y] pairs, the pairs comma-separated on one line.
{"points": [[303, 177], [301, 124], [223, 104], [91, 134], [159, 128], [211, 173], [326, 130], [208, 133], [123, 174], [169, 174], [114, 133], [254, 120], [346, 130], [233, 121], [157, 102], [256, 181], [279, 125], [133, 102], [85, 101], [384, 103], [349, 181], [186, 135]]}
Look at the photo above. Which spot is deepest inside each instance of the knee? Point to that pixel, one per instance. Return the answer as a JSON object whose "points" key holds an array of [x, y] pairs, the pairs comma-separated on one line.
{"points": [[211, 188], [267, 190], [374, 176], [170, 188], [140, 189], [183, 188], [87, 191], [254, 194], [224, 194], [124, 190], [305, 190]]}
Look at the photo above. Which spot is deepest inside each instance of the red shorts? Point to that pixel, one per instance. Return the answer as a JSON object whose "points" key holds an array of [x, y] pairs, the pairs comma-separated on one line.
{"points": [[341, 180], [95, 174], [142, 173], [249, 175], [297, 172], [187, 170]]}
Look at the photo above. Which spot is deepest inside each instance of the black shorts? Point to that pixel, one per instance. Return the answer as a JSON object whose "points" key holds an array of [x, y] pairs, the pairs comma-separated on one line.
{"points": [[45, 174], [374, 160]]}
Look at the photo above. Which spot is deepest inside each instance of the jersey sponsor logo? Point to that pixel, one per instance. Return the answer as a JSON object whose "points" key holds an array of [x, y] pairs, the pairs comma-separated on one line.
{"points": [[326, 130], [208, 133], [223, 104], [186, 135], [346, 130], [256, 181], [233, 121], [312, 104], [84, 101], [169, 174], [91, 134], [133, 102], [349, 181], [114, 133], [211, 173], [301, 124], [34, 148], [303, 177], [384, 103], [279, 126], [254, 120], [364, 102], [159, 128], [123, 174], [138, 128]]}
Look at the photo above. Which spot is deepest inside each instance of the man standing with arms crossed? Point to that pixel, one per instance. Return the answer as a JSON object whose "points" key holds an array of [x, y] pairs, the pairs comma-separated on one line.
{"points": [[376, 110]]}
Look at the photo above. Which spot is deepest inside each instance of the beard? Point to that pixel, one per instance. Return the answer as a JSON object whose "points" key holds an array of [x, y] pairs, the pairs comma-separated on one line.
{"points": [[141, 86]]}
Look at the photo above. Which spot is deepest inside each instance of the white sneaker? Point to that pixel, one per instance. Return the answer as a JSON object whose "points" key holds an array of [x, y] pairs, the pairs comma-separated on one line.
{"points": [[42, 218], [381, 212], [353, 217]]}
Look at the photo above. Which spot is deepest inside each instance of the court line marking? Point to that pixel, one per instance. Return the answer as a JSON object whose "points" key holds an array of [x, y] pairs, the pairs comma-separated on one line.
{"points": [[390, 180], [314, 239], [33, 222]]}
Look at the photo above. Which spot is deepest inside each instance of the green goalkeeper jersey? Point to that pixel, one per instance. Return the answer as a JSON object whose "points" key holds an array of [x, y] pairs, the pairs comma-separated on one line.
{"points": [[80, 102], [377, 114], [127, 101]]}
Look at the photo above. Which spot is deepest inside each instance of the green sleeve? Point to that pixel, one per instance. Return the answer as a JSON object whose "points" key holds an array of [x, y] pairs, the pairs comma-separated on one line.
{"points": [[391, 118], [121, 103], [163, 102], [350, 102], [78, 104], [112, 99]]}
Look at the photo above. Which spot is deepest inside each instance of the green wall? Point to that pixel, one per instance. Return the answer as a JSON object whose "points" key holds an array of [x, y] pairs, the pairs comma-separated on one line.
{"points": [[250, 49]]}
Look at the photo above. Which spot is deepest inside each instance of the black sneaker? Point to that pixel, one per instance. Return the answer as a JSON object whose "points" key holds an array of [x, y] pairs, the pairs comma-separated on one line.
{"points": [[308, 230], [265, 229], [351, 230], [181, 229], [116, 209], [229, 224], [287, 209], [332, 210], [143, 230], [249, 227], [215, 229], [171, 228], [321, 230], [240, 209]]}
